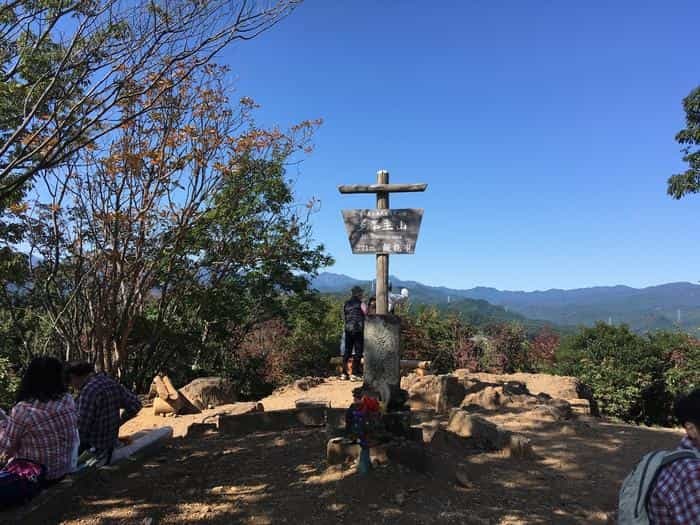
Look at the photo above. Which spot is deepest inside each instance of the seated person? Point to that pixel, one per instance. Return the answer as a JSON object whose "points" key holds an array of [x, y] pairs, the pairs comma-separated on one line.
{"points": [[39, 436], [100, 400]]}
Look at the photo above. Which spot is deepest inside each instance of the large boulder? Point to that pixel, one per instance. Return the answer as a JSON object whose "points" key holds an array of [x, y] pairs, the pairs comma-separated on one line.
{"points": [[439, 392], [481, 433], [563, 387], [488, 398], [554, 410], [209, 392]]}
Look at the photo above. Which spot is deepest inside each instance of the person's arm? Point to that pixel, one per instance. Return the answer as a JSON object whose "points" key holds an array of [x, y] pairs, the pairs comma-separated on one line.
{"points": [[129, 403]]}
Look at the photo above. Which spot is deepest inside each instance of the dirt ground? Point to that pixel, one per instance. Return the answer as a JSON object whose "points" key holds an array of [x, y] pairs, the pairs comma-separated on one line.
{"points": [[268, 478]]}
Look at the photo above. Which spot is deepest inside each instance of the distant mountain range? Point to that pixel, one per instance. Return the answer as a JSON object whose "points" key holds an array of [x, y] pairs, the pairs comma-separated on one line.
{"points": [[667, 306]]}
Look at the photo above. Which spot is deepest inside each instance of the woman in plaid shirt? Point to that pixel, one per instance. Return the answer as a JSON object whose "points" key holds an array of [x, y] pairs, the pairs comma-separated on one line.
{"points": [[42, 425], [675, 498]]}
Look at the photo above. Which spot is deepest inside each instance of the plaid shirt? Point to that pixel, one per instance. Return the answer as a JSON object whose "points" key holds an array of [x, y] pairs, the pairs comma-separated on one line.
{"points": [[675, 499], [44, 432], [99, 403]]}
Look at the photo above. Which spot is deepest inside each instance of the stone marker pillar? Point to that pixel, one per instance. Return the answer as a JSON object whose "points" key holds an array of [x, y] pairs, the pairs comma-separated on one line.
{"points": [[382, 370]]}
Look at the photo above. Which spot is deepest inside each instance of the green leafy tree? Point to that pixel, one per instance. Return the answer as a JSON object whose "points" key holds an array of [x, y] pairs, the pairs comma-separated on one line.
{"points": [[683, 355], [625, 371], [508, 349], [687, 182]]}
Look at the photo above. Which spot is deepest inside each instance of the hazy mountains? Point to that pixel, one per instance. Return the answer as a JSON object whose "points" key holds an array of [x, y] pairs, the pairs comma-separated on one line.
{"points": [[666, 306]]}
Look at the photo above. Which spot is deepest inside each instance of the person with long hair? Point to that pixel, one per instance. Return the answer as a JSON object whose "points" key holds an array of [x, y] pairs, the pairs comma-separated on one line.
{"points": [[39, 436]]}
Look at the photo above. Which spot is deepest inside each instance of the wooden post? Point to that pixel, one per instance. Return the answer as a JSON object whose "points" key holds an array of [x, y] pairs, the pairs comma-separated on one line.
{"points": [[382, 258]]}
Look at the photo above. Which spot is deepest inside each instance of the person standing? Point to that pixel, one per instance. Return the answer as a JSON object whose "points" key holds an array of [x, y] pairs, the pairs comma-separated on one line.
{"points": [[100, 401], [354, 319]]}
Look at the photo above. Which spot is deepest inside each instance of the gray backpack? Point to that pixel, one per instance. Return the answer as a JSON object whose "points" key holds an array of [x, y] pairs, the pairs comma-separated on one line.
{"points": [[637, 487]]}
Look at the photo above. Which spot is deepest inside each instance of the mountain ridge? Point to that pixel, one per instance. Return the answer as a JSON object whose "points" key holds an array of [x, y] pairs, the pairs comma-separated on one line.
{"points": [[665, 306]]}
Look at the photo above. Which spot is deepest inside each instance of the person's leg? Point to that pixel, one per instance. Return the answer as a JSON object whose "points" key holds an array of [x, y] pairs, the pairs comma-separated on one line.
{"points": [[347, 352], [359, 351]]}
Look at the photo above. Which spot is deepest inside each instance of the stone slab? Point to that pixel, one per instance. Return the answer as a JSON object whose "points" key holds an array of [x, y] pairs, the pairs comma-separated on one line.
{"points": [[382, 370], [403, 452], [276, 420]]}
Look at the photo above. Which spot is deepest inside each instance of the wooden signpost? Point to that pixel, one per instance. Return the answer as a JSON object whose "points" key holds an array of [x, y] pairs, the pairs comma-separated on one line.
{"points": [[382, 231]]}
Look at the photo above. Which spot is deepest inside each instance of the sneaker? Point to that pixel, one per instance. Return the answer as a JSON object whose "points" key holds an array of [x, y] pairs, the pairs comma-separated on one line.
{"points": [[355, 378], [344, 377]]}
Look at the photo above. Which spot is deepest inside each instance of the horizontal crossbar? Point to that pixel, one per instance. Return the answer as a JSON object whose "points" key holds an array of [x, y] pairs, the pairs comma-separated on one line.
{"points": [[381, 188]]}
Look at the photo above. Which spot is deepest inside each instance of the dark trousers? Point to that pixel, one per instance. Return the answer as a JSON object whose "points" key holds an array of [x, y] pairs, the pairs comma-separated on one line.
{"points": [[353, 340]]}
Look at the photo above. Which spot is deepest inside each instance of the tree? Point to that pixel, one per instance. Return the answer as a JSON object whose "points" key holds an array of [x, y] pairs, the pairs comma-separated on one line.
{"points": [[507, 350], [67, 65], [687, 182], [543, 348], [185, 219], [625, 371]]}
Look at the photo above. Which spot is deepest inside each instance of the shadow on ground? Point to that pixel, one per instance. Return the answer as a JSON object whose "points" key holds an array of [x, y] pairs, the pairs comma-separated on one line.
{"points": [[268, 478]]}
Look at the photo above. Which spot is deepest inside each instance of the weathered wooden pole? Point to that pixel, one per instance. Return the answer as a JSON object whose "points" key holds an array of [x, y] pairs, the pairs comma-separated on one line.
{"points": [[382, 258]]}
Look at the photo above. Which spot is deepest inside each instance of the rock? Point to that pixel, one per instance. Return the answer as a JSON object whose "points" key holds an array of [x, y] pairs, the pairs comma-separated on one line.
{"points": [[563, 387], [580, 406], [406, 453], [462, 478], [306, 402], [200, 429], [307, 383], [450, 394], [520, 447], [488, 398], [481, 433], [515, 388], [422, 391], [433, 392], [206, 391], [561, 408], [340, 449]]}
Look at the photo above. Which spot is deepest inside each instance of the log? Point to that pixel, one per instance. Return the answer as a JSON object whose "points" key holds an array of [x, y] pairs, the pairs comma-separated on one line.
{"points": [[173, 394]]}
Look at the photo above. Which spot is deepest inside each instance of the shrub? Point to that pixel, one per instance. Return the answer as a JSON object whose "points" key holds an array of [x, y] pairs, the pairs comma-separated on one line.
{"points": [[625, 371], [8, 383]]}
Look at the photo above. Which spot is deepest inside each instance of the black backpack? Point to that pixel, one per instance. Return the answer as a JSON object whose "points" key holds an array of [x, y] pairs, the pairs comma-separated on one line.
{"points": [[354, 317]]}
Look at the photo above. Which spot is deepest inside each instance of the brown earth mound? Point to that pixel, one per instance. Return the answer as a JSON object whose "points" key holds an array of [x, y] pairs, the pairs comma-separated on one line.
{"points": [[558, 471]]}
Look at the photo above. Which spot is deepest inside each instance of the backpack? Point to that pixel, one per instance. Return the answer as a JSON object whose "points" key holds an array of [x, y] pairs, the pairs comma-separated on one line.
{"points": [[638, 485], [20, 481], [354, 317]]}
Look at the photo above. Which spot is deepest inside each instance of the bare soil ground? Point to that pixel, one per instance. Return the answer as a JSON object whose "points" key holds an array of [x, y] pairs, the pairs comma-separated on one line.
{"points": [[270, 478]]}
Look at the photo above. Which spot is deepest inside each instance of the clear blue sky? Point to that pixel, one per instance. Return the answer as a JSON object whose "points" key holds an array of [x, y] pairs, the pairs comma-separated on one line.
{"points": [[544, 129]]}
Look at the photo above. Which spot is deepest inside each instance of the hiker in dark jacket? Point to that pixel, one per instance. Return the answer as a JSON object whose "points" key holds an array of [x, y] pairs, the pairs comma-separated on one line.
{"points": [[354, 319]]}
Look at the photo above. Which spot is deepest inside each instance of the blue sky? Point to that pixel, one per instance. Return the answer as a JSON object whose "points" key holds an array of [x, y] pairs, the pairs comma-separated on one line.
{"points": [[544, 129]]}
